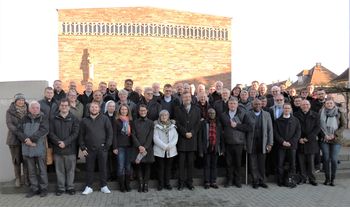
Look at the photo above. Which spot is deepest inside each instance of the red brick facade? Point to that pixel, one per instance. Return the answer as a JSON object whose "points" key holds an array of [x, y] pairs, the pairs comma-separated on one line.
{"points": [[145, 44]]}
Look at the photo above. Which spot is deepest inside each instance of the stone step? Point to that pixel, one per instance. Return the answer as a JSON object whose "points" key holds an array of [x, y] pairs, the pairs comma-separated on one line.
{"points": [[9, 187]]}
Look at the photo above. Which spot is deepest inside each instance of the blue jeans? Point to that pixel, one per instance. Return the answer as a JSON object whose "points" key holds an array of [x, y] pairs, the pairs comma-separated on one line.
{"points": [[123, 161], [330, 154]]}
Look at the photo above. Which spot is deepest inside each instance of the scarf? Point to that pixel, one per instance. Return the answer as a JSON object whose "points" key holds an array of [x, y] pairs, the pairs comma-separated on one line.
{"points": [[165, 126], [21, 111], [212, 134], [126, 126], [204, 110], [329, 120]]}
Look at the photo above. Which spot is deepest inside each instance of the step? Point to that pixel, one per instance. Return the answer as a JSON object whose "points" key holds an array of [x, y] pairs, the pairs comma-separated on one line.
{"points": [[9, 187]]}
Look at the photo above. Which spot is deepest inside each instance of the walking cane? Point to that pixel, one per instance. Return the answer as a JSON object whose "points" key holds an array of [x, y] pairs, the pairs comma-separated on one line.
{"points": [[246, 167]]}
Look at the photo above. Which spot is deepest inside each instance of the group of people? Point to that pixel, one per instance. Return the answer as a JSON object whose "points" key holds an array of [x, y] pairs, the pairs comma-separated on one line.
{"points": [[127, 131]]}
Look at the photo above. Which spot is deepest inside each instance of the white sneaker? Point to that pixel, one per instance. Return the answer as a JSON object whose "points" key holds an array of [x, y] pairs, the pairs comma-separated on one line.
{"points": [[105, 189], [87, 190]]}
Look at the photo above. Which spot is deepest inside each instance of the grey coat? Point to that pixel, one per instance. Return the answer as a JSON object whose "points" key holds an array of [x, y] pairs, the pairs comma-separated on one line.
{"points": [[35, 128], [267, 131]]}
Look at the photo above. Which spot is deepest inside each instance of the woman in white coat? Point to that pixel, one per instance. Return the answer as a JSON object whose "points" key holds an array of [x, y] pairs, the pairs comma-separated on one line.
{"points": [[165, 140]]}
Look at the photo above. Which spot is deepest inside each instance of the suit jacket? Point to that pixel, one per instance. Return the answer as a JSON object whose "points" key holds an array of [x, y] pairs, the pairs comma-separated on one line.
{"points": [[267, 131], [204, 136]]}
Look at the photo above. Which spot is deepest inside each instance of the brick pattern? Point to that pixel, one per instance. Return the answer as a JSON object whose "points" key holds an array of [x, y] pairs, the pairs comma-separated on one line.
{"points": [[145, 59]]}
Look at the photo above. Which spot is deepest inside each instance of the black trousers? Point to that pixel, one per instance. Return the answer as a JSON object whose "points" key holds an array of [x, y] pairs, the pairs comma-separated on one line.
{"points": [[101, 157], [233, 155], [210, 167], [290, 154], [306, 163], [257, 167], [186, 163], [164, 170], [143, 172]]}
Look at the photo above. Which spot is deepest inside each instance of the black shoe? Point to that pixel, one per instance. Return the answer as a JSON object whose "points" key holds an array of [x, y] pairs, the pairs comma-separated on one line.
{"points": [[43, 193], [227, 184], [180, 187], [32, 193], [206, 186], [332, 183], [145, 188], [160, 188], [168, 187], [127, 183], [214, 185], [140, 187], [59, 192], [280, 184], [255, 185], [71, 192], [263, 185], [190, 187], [327, 182], [238, 184], [313, 183]]}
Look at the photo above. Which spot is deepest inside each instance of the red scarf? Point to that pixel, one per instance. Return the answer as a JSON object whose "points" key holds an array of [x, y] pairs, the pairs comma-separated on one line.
{"points": [[212, 134]]}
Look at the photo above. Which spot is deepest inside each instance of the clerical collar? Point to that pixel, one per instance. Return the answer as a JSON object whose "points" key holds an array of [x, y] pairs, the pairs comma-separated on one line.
{"points": [[167, 99], [257, 113], [286, 116]]}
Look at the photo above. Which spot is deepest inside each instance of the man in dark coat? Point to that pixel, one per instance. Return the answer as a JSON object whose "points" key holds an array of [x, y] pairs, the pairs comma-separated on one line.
{"points": [[236, 124], [133, 95], [63, 136], [95, 138], [168, 101], [58, 91], [221, 105], [286, 135], [48, 104], [211, 147], [187, 118], [259, 142], [308, 146], [216, 95], [153, 107], [87, 95]]}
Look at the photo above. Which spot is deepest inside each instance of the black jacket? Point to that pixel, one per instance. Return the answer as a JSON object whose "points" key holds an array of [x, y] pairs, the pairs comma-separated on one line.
{"points": [[204, 136], [66, 130], [310, 127], [142, 135], [49, 109], [316, 105], [84, 99], [291, 133], [220, 107], [237, 135], [95, 133], [120, 139], [188, 122], [169, 106], [60, 95], [153, 109], [215, 96], [134, 96]]}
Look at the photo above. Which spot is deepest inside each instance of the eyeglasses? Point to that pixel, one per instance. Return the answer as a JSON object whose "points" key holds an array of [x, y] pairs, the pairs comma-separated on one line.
{"points": [[66, 105], [279, 99]]}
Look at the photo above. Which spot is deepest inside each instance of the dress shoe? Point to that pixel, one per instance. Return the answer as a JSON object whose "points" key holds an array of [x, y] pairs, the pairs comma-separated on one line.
{"points": [[263, 185], [214, 185]]}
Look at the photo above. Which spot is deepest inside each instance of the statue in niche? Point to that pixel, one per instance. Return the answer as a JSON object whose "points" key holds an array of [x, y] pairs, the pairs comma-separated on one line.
{"points": [[87, 67]]}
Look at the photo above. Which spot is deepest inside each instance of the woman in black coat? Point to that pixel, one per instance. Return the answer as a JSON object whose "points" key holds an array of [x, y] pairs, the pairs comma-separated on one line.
{"points": [[122, 144], [142, 152]]}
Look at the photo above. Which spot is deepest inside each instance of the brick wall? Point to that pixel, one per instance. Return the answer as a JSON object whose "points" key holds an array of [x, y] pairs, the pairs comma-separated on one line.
{"points": [[145, 59]]}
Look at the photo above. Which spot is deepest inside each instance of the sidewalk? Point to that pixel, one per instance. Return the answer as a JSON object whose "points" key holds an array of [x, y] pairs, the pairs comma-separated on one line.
{"points": [[302, 196]]}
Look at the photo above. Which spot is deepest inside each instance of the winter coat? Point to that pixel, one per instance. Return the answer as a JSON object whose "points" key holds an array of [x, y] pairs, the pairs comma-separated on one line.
{"points": [[13, 121], [204, 136], [66, 130], [165, 137], [188, 122], [310, 127], [237, 135], [142, 135], [35, 128]]}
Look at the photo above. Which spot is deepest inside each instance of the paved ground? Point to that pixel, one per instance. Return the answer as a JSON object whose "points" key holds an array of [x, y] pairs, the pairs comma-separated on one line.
{"points": [[302, 196]]}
